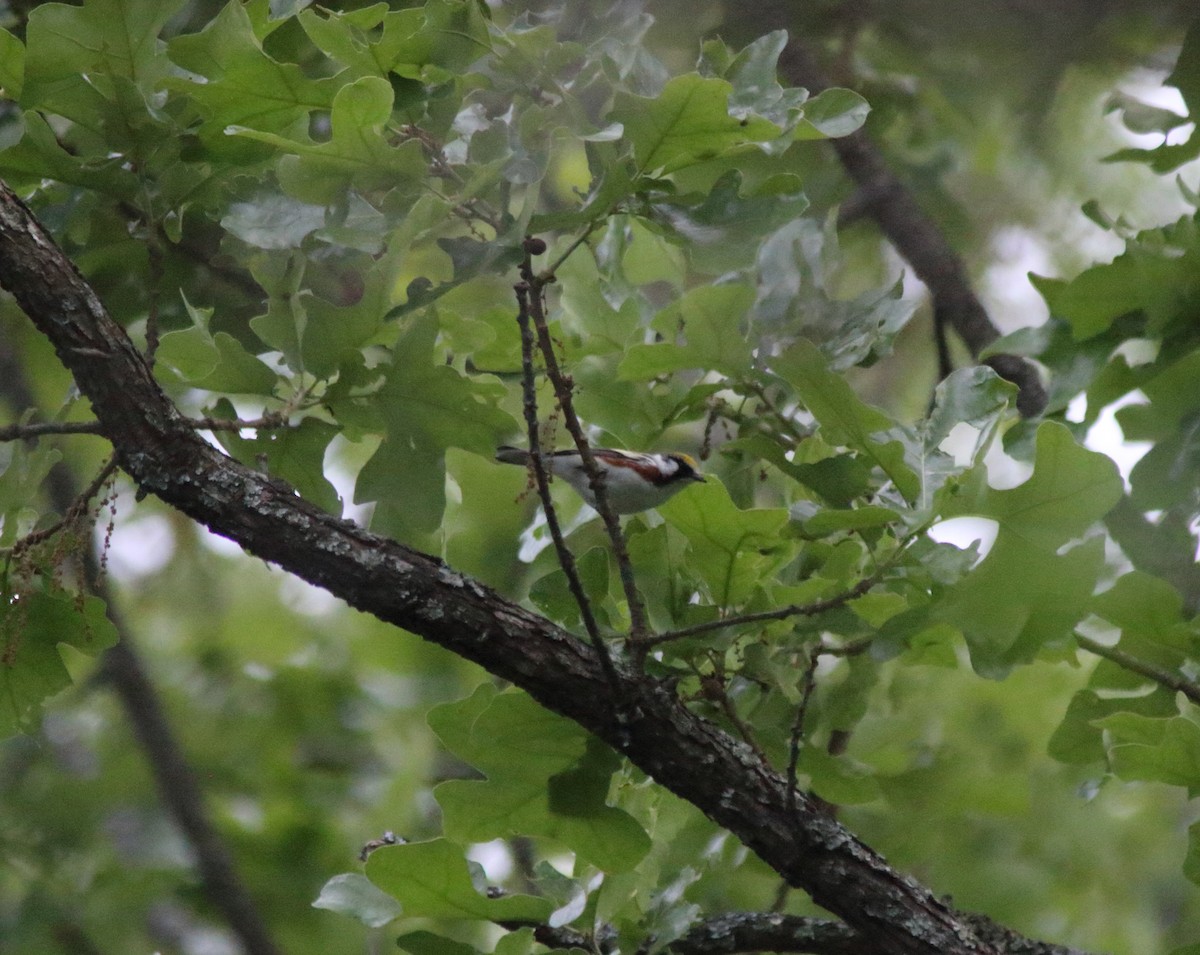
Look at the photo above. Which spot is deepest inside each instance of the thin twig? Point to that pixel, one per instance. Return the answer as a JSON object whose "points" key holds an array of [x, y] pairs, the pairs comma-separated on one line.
{"points": [[808, 684], [1172, 681], [793, 610], [24, 432], [566, 559], [563, 386], [549, 275], [155, 275], [78, 506]]}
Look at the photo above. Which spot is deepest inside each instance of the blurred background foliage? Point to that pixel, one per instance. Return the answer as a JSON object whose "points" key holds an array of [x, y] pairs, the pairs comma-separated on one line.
{"points": [[306, 722]]}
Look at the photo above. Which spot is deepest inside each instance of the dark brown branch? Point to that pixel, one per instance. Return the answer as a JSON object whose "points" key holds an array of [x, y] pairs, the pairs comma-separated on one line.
{"points": [[659, 734], [918, 239], [563, 388], [23, 432], [566, 559]]}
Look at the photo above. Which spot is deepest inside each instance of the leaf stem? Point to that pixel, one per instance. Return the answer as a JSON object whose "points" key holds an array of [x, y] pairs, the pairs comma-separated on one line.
{"points": [[1172, 681]]}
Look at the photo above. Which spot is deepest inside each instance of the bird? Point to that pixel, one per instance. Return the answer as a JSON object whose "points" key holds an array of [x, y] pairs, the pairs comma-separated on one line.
{"points": [[632, 481]]}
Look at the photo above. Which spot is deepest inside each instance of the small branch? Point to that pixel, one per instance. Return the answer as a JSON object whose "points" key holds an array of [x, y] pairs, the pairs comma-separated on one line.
{"points": [[566, 559], [72, 513], [713, 689], [793, 610], [550, 273], [563, 390], [155, 275], [808, 684], [1165, 678], [24, 432]]}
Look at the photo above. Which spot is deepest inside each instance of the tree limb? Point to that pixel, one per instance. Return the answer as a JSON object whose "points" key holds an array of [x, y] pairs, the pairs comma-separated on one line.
{"points": [[918, 239], [683, 752]]}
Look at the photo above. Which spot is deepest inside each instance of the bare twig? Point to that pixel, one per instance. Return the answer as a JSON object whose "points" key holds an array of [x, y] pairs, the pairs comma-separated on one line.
{"points": [[792, 610], [24, 432], [72, 513], [808, 684], [563, 388], [566, 559]]}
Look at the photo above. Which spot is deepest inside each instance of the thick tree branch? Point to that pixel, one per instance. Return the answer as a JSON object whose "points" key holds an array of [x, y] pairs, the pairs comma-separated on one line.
{"points": [[918, 239], [656, 731], [769, 932]]}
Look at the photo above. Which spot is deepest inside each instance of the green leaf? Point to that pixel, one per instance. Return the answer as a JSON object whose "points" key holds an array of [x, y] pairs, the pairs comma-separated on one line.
{"points": [[242, 86], [710, 319], [21, 486], [753, 73], [1079, 737], [1154, 750], [857, 519], [32, 628], [1149, 612], [427, 943], [1191, 869], [75, 53], [735, 551], [215, 362], [1139, 280], [273, 221], [687, 123], [431, 880], [975, 396], [1028, 591], [39, 155], [355, 895], [427, 407], [454, 35], [358, 154], [294, 454], [834, 112], [12, 65], [545, 777], [844, 418], [1071, 488]]}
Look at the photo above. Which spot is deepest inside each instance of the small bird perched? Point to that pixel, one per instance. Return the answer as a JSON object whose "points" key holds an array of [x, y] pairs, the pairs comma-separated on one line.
{"points": [[632, 482]]}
